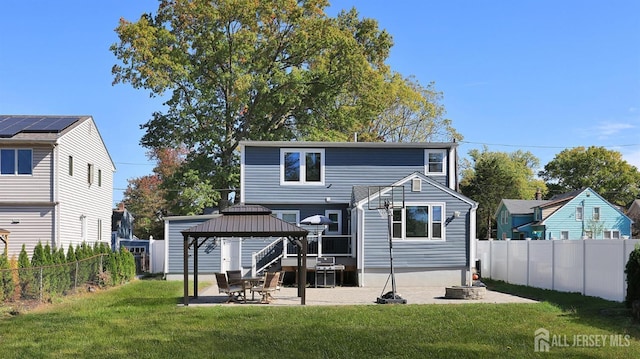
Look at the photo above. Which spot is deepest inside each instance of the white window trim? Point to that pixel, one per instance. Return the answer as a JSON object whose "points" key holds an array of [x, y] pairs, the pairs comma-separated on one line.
{"points": [[429, 239], [444, 162], [581, 213], [302, 181], [278, 214], [339, 213], [561, 234], [593, 213]]}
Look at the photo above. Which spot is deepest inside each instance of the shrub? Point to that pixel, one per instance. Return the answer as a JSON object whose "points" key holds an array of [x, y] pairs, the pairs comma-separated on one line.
{"points": [[632, 271]]}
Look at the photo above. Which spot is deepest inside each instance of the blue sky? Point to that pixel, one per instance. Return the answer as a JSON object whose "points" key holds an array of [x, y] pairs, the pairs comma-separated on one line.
{"points": [[535, 75]]}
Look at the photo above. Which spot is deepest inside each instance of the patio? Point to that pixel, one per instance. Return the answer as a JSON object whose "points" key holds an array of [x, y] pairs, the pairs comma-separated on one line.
{"points": [[355, 296]]}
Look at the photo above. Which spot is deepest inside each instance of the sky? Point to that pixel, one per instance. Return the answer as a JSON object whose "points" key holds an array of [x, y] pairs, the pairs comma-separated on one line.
{"points": [[532, 75]]}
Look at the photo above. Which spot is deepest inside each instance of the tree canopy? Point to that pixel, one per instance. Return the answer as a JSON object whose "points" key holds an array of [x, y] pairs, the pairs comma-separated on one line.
{"points": [[602, 170], [493, 176], [234, 70]]}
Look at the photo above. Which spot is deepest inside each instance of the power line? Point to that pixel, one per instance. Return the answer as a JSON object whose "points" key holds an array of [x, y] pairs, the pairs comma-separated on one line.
{"points": [[541, 146]]}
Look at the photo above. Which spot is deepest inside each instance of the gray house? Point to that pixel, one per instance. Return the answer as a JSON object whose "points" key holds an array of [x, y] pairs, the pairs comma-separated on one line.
{"points": [[432, 225], [56, 181]]}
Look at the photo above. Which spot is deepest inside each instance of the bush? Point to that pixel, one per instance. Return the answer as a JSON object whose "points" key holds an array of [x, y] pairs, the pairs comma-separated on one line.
{"points": [[632, 271]]}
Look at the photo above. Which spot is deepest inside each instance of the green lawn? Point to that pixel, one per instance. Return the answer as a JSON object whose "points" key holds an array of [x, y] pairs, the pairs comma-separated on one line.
{"points": [[142, 320]]}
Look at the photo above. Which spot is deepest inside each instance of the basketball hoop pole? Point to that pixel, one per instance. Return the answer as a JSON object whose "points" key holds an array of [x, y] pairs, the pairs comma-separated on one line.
{"points": [[390, 235]]}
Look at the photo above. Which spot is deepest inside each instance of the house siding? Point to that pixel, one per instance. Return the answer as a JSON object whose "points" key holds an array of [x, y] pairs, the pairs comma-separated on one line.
{"points": [[564, 219], [344, 168], [30, 188], [28, 226], [76, 196], [430, 254], [208, 263]]}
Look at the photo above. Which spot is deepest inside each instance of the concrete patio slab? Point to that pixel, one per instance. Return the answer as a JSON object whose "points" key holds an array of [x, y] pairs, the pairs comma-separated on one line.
{"points": [[355, 296]]}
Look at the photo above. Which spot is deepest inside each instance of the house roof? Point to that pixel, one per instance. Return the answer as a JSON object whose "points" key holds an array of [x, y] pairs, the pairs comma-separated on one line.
{"points": [[312, 144], [37, 127], [41, 129], [522, 206], [563, 197], [361, 194], [245, 221]]}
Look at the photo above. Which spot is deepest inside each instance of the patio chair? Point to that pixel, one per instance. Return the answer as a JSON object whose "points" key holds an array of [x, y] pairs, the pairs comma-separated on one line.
{"points": [[234, 276], [280, 280], [233, 291], [269, 286]]}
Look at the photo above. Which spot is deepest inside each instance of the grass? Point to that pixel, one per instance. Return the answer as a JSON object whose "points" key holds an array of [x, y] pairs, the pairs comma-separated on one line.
{"points": [[142, 320]]}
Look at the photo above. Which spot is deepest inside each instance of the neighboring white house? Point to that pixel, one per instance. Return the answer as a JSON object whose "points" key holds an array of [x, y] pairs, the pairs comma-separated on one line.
{"points": [[56, 181]]}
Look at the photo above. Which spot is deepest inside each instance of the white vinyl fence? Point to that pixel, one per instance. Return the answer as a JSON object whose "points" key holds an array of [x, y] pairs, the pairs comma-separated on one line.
{"points": [[157, 254], [593, 267]]}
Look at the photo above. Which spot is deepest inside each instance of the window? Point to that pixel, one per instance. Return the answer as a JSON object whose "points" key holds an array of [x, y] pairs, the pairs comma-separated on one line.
{"points": [[564, 234], [292, 217], [99, 178], [16, 161], [336, 217], [611, 234], [90, 173], [504, 217], [304, 166], [70, 165], [418, 222], [588, 234], [596, 213], [579, 213], [537, 214], [434, 162]]}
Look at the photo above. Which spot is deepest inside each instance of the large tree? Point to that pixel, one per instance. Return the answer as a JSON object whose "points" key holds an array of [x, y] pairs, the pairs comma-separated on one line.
{"points": [[493, 176], [233, 70], [412, 113], [172, 189], [601, 169]]}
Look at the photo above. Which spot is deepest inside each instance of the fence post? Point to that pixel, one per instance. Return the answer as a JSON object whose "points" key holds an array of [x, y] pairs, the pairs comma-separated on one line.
{"points": [[41, 285]]}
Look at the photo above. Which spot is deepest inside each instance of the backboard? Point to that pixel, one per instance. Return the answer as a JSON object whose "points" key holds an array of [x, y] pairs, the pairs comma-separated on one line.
{"points": [[385, 197]]}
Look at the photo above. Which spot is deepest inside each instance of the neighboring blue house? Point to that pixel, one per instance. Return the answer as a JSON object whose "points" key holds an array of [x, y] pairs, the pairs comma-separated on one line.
{"points": [[581, 214], [432, 236]]}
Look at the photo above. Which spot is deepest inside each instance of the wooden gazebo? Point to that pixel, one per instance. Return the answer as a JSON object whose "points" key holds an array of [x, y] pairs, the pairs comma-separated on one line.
{"points": [[246, 221]]}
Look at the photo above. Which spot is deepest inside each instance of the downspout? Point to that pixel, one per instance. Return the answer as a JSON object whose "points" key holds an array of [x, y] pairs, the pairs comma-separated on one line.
{"points": [[56, 195]]}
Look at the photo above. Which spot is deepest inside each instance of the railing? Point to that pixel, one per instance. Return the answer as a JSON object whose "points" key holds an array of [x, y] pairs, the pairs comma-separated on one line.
{"points": [[268, 255], [328, 245]]}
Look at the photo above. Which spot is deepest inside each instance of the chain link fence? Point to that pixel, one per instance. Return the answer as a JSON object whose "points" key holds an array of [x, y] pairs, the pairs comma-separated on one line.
{"points": [[46, 282]]}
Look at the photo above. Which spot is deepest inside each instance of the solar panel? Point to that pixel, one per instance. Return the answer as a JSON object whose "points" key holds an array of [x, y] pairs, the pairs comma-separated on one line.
{"points": [[12, 125]]}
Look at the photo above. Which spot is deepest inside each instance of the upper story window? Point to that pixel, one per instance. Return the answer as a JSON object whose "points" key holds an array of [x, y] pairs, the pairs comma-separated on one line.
{"points": [[596, 213], [70, 165], [537, 214], [90, 173], [435, 162], [16, 161], [504, 218], [99, 178], [579, 213], [302, 166], [424, 221]]}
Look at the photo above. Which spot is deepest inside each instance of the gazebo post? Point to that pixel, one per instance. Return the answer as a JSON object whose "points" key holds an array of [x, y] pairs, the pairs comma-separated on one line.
{"points": [[303, 297], [185, 299], [195, 267]]}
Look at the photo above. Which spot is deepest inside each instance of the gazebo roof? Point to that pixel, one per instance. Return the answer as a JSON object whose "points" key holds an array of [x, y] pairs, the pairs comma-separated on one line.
{"points": [[245, 221]]}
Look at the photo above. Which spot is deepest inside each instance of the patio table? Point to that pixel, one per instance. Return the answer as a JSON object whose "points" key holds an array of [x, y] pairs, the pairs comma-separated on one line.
{"points": [[248, 283]]}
